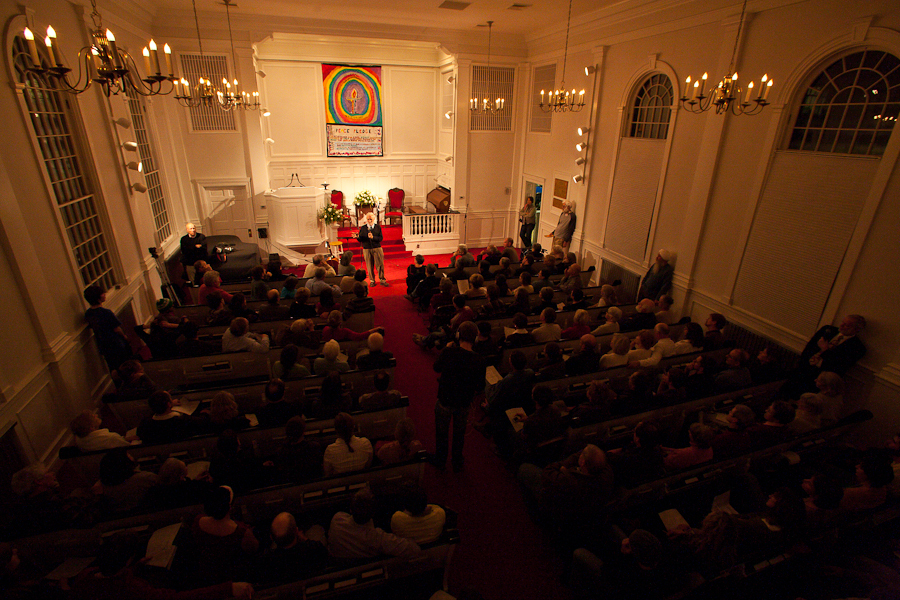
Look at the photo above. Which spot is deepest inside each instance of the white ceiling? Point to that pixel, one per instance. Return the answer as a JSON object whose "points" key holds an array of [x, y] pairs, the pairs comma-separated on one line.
{"points": [[392, 14]]}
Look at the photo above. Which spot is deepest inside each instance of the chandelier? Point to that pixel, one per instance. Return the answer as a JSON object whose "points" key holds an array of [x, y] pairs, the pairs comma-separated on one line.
{"points": [[485, 106], [727, 95], [231, 98], [103, 63], [561, 100]]}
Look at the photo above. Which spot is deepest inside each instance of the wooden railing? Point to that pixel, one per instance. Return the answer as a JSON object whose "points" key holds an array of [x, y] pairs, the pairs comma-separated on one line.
{"points": [[431, 227]]}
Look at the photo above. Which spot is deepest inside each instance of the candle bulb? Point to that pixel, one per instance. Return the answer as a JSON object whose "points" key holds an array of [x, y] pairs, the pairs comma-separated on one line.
{"points": [[762, 86], [113, 50], [749, 93], [687, 86], [49, 44], [177, 83], [703, 84], [51, 34], [32, 48], [154, 56], [768, 86], [168, 54], [98, 64], [733, 89], [186, 86], [694, 91], [146, 54], [237, 88]]}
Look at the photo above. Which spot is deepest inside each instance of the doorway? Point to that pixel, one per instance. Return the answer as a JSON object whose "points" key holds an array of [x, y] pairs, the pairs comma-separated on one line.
{"points": [[227, 208], [534, 187]]}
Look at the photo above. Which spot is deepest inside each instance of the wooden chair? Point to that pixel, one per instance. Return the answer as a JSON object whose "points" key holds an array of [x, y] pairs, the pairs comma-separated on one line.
{"points": [[337, 198], [394, 212]]}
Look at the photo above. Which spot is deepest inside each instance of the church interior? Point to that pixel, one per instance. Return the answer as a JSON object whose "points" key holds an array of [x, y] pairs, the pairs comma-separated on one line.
{"points": [[780, 218]]}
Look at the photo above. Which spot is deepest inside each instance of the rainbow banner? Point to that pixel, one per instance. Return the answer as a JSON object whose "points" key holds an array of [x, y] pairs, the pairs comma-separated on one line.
{"points": [[352, 95]]}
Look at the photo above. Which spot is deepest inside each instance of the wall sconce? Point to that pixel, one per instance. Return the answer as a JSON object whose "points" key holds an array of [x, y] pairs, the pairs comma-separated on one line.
{"points": [[581, 146], [451, 79], [580, 161], [449, 159], [122, 122], [270, 141], [130, 146], [139, 187], [448, 114], [583, 130], [266, 112], [578, 178], [135, 166], [261, 73], [589, 70]]}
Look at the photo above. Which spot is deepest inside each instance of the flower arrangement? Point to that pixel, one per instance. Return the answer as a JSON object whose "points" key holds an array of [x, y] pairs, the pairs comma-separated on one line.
{"points": [[365, 198], [331, 214]]}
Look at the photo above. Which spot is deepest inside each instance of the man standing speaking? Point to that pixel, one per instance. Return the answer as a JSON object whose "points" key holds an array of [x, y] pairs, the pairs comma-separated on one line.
{"points": [[370, 239]]}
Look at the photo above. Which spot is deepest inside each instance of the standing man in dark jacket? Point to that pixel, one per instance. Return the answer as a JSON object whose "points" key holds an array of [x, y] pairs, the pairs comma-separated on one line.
{"points": [[370, 239], [462, 376], [193, 248]]}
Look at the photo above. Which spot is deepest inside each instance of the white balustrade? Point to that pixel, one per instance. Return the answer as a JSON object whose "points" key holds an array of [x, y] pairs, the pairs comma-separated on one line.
{"points": [[431, 232]]}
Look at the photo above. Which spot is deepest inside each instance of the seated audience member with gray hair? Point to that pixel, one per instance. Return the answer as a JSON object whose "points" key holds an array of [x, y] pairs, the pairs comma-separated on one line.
{"points": [[374, 356], [238, 338], [319, 261], [89, 436], [354, 535], [317, 283], [463, 257], [329, 360]]}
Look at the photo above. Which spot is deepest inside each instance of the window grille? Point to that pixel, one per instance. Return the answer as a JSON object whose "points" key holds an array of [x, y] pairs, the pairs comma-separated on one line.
{"points": [[652, 109], [492, 83], [203, 117], [49, 110], [150, 167], [851, 107], [544, 79]]}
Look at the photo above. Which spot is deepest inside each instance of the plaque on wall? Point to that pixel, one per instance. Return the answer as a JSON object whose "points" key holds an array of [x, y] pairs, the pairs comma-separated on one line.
{"points": [[560, 192]]}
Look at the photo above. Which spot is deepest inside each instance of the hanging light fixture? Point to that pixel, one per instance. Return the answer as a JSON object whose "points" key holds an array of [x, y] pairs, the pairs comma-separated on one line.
{"points": [[727, 96], [485, 106], [104, 63], [232, 97], [192, 95], [561, 100]]}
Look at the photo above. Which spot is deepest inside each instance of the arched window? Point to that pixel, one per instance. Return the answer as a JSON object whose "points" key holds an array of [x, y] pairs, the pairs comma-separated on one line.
{"points": [[851, 107], [652, 108], [64, 164]]}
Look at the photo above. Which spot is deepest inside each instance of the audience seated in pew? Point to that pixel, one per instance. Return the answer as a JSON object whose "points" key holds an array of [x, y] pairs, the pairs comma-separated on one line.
{"points": [[484, 344], [765, 366], [664, 309], [571, 280], [211, 283], [691, 339], [335, 330], [330, 360], [526, 265], [317, 284], [545, 423], [494, 306], [580, 326], [360, 302], [302, 333], [543, 279], [273, 310], [641, 346], [671, 389], [873, 474], [116, 575], [519, 336], [415, 273], [700, 373], [289, 365], [513, 391], [165, 424], [259, 289], [354, 535], [273, 271], [521, 303], [348, 281], [219, 313], [349, 452], [552, 365], [90, 437], [734, 440], [714, 338], [374, 356], [382, 397], [294, 553], [289, 289], [548, 331], [619, 345], [238, 337], [404, 446], [545, 300], [418, 521], [736, 375], [191, 345], [133, 383], [536, 252], [575, 300], [219, 545], [319, 261], [484, 269], [644, 317], [331, 400], [123, 486], [174, 488], [611, 318], [298, 459], [808, 416], [238, 306], [425, 288], [831, 390], [586, 360], [502, 285], [637, 397], [662, 348], [773, 429], [165, 329], [276, 411], [607, 296], [823, 501], [223, 414], [699, 451], [640, 460], [463, 314], [476, 286], [300, 307], [327, 303], [236, 466]]}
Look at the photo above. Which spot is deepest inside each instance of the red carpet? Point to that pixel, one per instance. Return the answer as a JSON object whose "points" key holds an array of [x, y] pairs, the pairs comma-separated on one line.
{"points": [[502, 552]]}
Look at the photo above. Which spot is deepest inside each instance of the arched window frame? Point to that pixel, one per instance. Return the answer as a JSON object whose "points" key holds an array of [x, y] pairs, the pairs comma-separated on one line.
{"points": [[81, 152], [657, 116], [839, 126]]}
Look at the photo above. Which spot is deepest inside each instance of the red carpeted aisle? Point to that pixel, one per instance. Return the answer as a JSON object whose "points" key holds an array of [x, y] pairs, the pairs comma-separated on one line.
{"points": [[502, 552]]}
